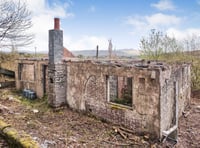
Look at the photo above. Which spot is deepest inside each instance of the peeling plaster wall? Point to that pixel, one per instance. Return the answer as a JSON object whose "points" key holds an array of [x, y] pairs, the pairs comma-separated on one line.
{"points": [[57, 85], [87, 91], [57, 72], [179, 74], [83, 85], [29, 75]]}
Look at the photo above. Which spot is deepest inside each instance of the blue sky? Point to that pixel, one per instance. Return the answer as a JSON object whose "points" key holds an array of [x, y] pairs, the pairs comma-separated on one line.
{"points": [[87, 23]]}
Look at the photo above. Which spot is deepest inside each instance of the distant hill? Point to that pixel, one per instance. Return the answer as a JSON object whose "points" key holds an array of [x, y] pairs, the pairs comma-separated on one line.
{"points": [[92, 53], [103, 53]]}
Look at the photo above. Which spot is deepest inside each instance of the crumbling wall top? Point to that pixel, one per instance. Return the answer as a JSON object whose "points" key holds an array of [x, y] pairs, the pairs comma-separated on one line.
{"points": [[139, 64], [32, 59]]}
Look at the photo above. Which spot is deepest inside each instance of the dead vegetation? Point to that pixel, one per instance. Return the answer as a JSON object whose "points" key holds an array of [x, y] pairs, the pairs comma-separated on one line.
{"points": [[189, 127], [7, 60], [66, 128]]}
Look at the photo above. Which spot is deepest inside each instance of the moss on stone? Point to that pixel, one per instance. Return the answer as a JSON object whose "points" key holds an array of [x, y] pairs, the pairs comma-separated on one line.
{"points": [[3, 125], [16, 138], [27, 142], [116, 107], [11, 133]]}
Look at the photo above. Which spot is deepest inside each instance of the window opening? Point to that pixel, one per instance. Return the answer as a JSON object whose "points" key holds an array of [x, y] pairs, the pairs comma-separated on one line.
{"points": [[120, 90]]}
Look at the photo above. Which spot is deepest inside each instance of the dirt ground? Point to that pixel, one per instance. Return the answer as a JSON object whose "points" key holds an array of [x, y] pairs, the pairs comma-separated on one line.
{"points": [[189, 126], [66, 128], [3, 143]]}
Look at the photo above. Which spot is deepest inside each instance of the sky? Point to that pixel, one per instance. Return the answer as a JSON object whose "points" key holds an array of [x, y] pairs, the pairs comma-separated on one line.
{"points": [[87, 23]]}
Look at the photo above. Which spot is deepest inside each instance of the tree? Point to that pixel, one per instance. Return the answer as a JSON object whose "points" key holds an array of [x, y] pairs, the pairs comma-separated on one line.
{"points": [[158, 44], [15, 20], [192, 43]]}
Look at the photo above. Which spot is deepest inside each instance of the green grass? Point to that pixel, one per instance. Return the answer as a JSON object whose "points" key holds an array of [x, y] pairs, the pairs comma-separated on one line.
{"points": [[40, 103]]}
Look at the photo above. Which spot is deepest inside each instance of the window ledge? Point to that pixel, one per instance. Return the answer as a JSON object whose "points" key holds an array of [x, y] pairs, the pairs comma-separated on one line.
{"points": [[26, 81], [119, 106]]}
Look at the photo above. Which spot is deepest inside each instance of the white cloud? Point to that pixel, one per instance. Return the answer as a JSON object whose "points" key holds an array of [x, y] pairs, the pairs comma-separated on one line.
{"points": [[87, 42], [164, 5], [92, 9], [137, 22], [162, 19], [141, 25], [170, 24], [183, 34], [43, 15], [42, 19]]}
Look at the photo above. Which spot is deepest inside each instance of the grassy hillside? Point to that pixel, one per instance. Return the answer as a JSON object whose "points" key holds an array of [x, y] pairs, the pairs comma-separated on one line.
{"points": [[189, 57], [7, 60]]}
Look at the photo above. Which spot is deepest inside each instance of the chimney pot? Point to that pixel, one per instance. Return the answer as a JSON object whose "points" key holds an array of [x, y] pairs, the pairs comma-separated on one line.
{"points": [[56, 23]]}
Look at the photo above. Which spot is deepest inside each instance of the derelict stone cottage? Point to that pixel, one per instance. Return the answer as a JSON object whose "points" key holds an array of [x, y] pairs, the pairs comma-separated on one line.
{"points": [[146, 97]]}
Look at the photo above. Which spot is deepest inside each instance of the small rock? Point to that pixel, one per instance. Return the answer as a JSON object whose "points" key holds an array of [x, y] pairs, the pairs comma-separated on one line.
{"points": [[10, 98], [144, 142], [35, 110], [47, 142], [198, 107], [146, 137], [154, 145], [35, 138]]}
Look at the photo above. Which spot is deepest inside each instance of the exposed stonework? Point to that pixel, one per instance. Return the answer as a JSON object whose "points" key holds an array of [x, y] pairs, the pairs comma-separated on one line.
{"points": [[174, 94], [147, 97], [56, 71], [55, 46], [153, 101], [160, 92], [57, 85], [32, 74]]}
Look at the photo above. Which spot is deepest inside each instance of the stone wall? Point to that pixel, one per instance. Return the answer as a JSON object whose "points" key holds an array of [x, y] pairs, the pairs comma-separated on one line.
{"points": [[160, 92], [175, 94], [55, 46], [57, 85], [88, 91], [30, 75], [57, 73]]}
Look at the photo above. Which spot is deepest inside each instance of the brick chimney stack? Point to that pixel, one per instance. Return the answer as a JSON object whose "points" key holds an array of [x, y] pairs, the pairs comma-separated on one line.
{"points": [[56, 24], [56, 43], [56, 68]]}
